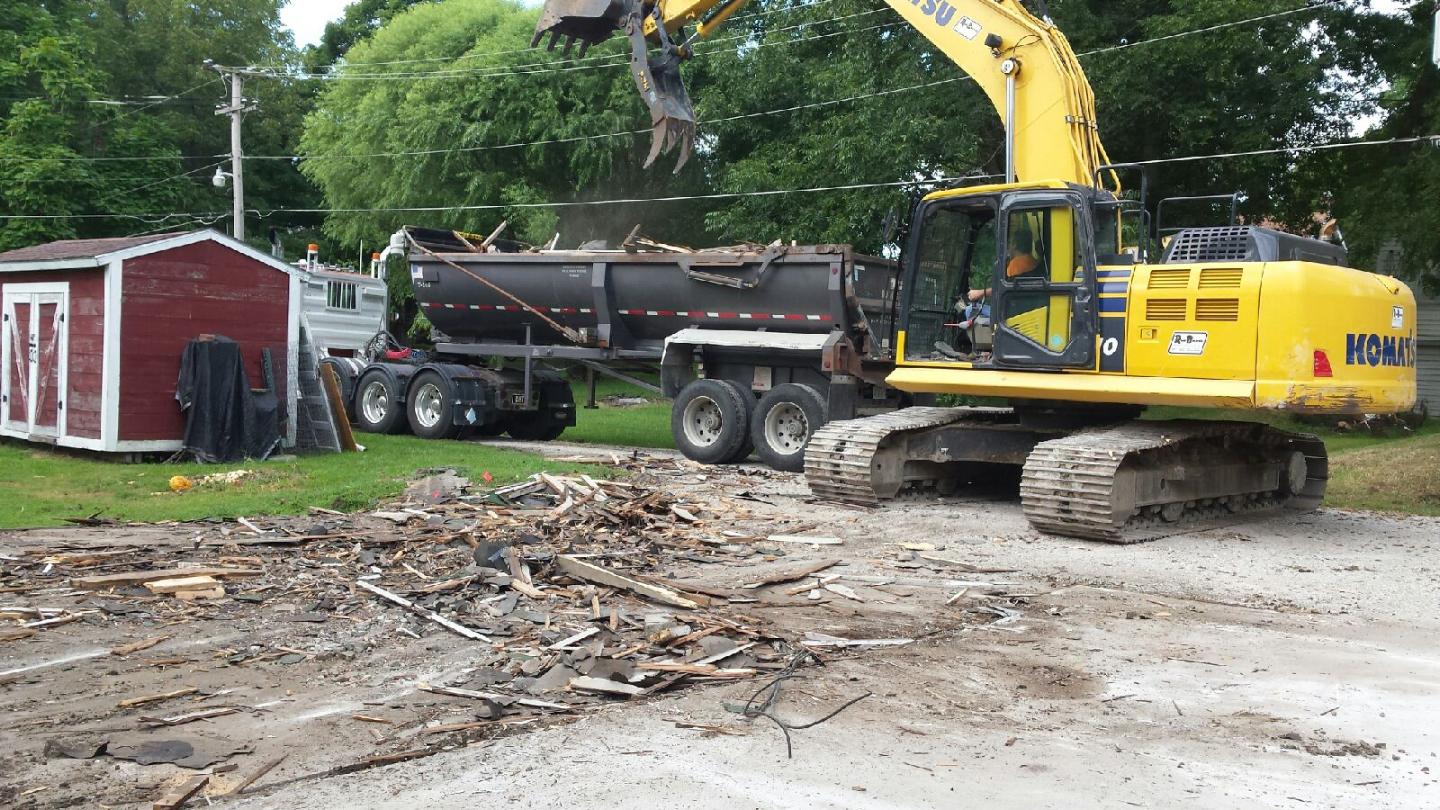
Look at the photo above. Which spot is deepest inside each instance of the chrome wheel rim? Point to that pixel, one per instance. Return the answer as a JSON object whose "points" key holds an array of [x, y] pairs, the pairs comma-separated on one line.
{"points": [[375, 402], [428, 405], [786, 429], [703, 421]]}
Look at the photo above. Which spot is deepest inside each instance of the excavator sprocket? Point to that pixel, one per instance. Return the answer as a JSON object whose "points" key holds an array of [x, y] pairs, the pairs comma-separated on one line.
{"points": [[1145, 480]]}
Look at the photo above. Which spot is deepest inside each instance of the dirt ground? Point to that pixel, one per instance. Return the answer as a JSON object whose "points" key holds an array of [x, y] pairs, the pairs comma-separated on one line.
{"points": [[1284, 663]]}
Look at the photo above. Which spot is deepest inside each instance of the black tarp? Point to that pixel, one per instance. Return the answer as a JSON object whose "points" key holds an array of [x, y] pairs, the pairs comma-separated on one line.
{"points": [[224, 420]]}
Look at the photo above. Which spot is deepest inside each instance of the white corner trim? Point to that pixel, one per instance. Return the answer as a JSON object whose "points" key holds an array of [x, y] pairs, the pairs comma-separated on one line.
{"points": [[110, 356], [292, 362], [81, 444], [152, 446]]}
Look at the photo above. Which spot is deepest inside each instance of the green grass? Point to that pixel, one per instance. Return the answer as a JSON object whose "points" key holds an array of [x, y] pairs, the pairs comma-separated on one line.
{"points": [[43, 487], [1397, 476], [633, 426]]}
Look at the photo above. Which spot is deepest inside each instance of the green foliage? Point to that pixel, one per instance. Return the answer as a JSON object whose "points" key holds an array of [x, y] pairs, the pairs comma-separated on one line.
{"points": [[455, 122], [361, 19], [82, 80], [947, 130], [1384, 196]]}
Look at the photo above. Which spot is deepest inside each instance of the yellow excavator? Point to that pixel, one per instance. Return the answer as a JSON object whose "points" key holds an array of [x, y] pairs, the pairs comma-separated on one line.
{"points": [[1027, 291]]}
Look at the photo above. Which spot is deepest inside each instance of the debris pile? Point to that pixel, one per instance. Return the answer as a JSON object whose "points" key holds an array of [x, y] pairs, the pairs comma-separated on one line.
{"points": [[554, 586]]}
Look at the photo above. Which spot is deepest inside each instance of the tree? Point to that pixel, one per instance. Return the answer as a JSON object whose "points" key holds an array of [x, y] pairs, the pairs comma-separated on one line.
{"points": [[1383, 196], [424, 115], [361, 19]]}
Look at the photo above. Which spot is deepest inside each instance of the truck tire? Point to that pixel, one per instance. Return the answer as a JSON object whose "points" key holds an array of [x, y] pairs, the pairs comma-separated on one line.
{"points": [[784, 420], [346, 370], [710, 422], [377, 405], [429, 409]]}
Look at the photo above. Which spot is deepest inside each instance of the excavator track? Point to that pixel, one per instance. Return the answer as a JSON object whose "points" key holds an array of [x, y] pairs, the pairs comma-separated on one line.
{"points": [[1129, 483], [846, 461], [1109, 484]]}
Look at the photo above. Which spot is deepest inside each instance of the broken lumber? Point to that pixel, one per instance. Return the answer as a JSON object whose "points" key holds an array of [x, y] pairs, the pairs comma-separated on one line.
{"points": [[137, 646], [181, 793], [255, 776], [196, 583], [141, 701], [430, 615], [602, 576], [802, 539], [100, 583], [790, 575], [605, 686]]}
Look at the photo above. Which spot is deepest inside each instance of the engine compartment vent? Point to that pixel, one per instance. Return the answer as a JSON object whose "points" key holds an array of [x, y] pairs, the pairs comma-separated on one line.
{"points": [[1165, 309], [1248, 243], [1217, 309], [1169, 279], [1221, 278]]}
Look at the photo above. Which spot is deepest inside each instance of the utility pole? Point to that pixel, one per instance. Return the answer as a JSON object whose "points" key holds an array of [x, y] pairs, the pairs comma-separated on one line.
{"points": [[236, 109]]}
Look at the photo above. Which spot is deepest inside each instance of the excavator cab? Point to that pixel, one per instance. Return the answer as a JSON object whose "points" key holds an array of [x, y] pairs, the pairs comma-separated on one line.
{"points": [[1030, 255], [672, 117]]}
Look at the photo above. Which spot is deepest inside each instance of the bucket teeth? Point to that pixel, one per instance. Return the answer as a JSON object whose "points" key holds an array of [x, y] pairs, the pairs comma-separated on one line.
{"points": [[658, 78]]}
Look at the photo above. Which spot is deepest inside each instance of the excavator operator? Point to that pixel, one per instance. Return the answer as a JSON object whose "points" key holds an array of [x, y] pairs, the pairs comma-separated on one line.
{"points": [[1022, 261]]}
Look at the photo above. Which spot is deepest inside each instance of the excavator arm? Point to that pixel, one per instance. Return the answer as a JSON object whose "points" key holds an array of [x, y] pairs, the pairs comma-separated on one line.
{"points": [[1019, 59]]}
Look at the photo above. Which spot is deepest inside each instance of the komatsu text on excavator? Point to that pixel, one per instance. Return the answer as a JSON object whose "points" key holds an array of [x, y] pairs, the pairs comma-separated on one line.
{"points": [[1027, 291]]}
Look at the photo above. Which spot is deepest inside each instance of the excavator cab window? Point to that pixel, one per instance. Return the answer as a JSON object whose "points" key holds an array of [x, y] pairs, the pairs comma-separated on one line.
{"points": [[955, 252], [1043, 296]]}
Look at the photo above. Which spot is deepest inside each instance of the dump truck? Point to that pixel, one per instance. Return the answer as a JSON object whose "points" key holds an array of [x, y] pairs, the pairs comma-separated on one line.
{"points": [[757, 345]]}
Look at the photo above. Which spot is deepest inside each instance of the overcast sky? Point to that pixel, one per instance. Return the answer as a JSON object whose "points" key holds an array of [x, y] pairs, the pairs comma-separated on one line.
{"points": [[307, 18]]}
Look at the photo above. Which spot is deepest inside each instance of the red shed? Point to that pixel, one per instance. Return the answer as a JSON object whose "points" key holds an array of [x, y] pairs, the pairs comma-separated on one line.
{"points": [[93, 331]]}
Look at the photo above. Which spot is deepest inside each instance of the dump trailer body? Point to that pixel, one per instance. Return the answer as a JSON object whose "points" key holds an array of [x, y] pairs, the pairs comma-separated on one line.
{"points": [[784, 338], [633, 301]]}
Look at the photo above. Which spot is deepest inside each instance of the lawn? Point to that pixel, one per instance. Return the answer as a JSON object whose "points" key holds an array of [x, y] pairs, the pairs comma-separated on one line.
{"points": [[1395, 471], [43, 487], [630, 426]]}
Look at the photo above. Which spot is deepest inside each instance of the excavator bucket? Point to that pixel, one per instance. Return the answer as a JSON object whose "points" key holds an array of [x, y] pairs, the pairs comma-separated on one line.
{"points": [[672, 118]]}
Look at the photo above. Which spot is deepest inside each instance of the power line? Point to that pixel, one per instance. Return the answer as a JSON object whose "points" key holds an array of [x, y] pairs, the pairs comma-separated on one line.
{"points": [[500, 71], [158, 217], [623, 133]]}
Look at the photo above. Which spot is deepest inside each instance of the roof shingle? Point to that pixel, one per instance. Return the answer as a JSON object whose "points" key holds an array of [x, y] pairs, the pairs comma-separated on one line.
{"points": [[80, 248]]}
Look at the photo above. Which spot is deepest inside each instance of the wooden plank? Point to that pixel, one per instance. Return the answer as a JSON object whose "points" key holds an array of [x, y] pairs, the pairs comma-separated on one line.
{"points": [[200, 583], [104, 581], [422, 612], [602, 576], [331, 382], [790, 575], [181, 793], [141, 701], [255, 776], [137, 646]]}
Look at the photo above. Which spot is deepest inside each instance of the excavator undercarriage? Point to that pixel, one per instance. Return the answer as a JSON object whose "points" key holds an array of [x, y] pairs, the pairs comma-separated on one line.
{"points": [[1120, 483]]}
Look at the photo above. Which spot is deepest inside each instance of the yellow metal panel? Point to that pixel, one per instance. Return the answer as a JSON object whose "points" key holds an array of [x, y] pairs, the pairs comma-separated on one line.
{"points": [[1365, 325], [992, 188], [1181, 328], [1076, 387]]}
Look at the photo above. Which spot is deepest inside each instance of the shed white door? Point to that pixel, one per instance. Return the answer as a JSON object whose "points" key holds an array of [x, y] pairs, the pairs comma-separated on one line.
{"points": [[33, 355]]}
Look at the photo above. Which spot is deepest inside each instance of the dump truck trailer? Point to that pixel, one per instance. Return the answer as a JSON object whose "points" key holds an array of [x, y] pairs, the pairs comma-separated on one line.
{"points": [[757, 345]]}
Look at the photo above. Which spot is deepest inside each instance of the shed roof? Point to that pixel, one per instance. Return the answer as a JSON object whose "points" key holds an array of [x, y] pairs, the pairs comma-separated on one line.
{"points": [[85, 253], [80, 248]]}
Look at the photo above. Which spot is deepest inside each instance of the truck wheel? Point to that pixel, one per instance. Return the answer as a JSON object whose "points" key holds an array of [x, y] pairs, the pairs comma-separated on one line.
{"points": [[346, 370], [710, 422], [377, 407], [430, 408], [783, 422]]}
